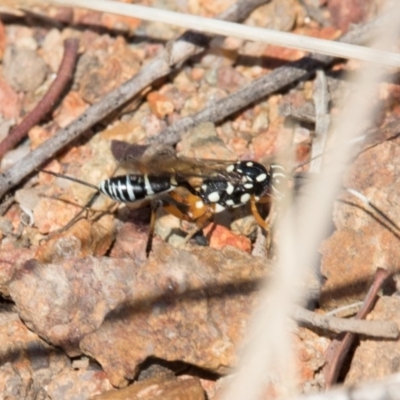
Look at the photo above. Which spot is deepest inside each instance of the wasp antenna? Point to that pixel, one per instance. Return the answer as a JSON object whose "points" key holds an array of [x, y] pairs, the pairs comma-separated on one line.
{"points": [[309, 160], [70, 178], [357, 140], [368, 202]]}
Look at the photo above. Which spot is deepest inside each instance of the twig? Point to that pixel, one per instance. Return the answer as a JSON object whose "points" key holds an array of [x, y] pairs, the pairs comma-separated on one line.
{"points": [[304, 113], [175, 52], [346, 310], [338, 349], [64, 75], [262, 87], [379, 329], [321, 101]]}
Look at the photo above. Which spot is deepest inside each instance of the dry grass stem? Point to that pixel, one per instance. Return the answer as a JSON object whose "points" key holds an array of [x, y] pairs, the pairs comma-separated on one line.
{"points": [[300, 235], [208, 25]]}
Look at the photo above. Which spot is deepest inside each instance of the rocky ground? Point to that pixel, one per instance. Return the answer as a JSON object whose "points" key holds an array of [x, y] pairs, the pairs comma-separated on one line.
{"points": [[83, 312]]}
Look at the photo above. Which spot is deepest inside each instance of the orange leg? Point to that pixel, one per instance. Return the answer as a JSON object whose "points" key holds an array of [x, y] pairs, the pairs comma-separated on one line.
{"points": [[154, 208], [199, 215], [264, 224], [176, 212], [260, 221], [201, 223], [197, 211], [171, 209]]}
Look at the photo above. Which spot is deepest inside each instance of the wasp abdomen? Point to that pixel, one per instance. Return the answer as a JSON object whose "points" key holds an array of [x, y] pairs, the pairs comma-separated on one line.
{"points": [[130, 188]]}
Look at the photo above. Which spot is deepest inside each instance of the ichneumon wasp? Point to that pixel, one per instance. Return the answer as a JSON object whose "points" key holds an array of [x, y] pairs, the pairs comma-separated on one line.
{"points": [[192, 189]]}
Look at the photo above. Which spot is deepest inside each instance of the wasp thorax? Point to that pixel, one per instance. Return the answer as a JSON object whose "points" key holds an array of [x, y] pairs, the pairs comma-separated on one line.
{"points": [[244, 180]]}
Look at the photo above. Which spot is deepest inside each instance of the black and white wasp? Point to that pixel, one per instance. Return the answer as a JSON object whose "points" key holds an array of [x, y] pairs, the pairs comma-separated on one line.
{"points": [[193, 189]]}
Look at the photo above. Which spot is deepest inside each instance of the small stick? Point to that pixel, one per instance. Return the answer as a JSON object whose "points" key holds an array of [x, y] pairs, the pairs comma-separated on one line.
{"points": [[322, 120], [338, 349], [64, 75], [378, 329], [304, 113], [346, 310]]}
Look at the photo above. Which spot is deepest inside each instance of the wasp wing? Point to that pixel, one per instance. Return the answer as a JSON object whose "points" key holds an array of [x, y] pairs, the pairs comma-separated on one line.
{"points": [[182, 168], [162, 161]]}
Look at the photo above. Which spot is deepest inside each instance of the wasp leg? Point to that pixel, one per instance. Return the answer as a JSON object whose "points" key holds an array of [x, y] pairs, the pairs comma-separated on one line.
{"points": [[195, 210], [260, 221], [201, 223], [154, 207], [200, 238], [171, 209], [176, 212], [85, 213], [263, 223]]}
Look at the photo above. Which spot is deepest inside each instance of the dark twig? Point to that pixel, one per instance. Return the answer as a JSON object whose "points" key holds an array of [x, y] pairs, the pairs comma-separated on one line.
{"points": [[64, 75], [338, 349], [175, 52]]}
